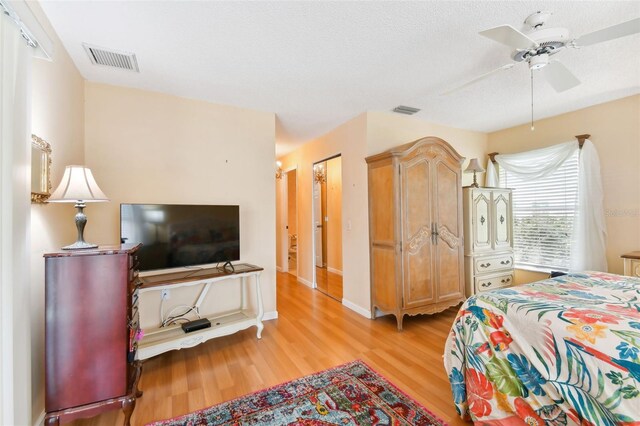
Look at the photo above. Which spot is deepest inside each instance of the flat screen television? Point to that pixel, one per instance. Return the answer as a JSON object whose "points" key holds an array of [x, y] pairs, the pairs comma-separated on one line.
{"points": [[180, 235]]}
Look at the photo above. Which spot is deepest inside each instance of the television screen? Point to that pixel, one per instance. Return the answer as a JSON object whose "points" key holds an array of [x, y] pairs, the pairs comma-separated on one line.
{"points": [[178, 235]]}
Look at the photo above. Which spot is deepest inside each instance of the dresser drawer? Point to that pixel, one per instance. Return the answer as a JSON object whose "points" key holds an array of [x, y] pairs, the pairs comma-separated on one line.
{"points": [[493, 282], [493, 263]]}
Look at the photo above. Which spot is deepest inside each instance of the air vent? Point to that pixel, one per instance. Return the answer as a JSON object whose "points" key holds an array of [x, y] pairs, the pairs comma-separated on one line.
{"points": [[111, 58], [405, 110]]}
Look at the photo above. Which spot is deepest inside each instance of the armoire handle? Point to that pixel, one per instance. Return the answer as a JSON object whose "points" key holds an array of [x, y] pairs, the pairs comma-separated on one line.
{"points": [[485, 265], [434, 233]]}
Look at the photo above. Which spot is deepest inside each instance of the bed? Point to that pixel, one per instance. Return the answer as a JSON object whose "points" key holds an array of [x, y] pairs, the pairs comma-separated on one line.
{"points": [[561, 351]]}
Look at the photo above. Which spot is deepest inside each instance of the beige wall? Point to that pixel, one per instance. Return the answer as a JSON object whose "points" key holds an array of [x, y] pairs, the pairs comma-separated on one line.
{"points": [[334, 213], [348, 140], [386, 130], [58, 117], [615, 131], [146, 147], [291, 202], [367, 134]]}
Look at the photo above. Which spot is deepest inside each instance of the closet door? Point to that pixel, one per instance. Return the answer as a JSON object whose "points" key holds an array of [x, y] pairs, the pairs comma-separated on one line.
{"points": [[417, 256], [501, 213], [447, 208]]}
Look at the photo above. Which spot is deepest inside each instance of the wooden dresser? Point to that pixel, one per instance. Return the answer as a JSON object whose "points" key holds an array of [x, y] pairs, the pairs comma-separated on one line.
{"points": [[632, 263], [415, 229], [488, 239], [91, 321]]}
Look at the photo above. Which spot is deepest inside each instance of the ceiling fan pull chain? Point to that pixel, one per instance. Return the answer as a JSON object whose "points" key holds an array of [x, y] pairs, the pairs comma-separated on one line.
{"points": [[532, 128]]}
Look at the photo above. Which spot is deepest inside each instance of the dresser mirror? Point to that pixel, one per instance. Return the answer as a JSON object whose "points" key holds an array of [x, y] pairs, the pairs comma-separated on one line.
{"points": [[40, 170]]}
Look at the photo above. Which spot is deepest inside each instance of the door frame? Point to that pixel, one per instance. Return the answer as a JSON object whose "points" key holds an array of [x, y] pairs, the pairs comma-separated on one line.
{"points": [[283, 230], [314, 282], [286, 216]]}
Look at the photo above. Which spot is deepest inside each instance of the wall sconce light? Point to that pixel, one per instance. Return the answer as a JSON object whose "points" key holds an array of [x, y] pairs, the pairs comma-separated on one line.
{"points": [[279, 171], [319, 174], [474, 167]]}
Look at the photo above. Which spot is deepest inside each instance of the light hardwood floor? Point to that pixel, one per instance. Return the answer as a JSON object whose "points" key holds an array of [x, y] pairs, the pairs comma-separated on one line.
{"points": [[313, 333], [329, 283]]}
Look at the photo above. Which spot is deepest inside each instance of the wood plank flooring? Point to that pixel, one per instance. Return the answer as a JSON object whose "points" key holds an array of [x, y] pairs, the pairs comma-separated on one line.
{"points": [[329, 283], [313, 333]]}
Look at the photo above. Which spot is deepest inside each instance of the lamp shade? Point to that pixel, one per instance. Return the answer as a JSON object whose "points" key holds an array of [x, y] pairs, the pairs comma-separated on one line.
{"points": [[77, 184], [474, 166]]}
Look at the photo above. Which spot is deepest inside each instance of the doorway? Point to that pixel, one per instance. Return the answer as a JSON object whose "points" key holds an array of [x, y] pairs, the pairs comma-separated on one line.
{"points": [[327, 226], [292, 222]]}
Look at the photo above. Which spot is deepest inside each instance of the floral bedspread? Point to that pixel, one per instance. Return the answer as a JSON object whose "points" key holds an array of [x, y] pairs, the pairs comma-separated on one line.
{"points": [[562, 351]]}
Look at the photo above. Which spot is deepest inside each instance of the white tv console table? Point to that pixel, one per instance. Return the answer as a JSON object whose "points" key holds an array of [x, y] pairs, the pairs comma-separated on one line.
{"points": [[170, 337]]}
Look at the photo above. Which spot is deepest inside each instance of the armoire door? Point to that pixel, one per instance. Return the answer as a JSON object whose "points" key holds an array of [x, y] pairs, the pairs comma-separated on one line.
{"points": [[481, 218], [417, 255], [448, 240], [502, 220]]}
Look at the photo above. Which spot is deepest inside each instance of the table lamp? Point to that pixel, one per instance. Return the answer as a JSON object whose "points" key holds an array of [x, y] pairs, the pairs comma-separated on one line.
{"points": [[78, 186], [474, 167]]}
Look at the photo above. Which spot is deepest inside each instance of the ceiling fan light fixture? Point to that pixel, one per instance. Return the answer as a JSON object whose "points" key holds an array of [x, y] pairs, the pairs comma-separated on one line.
{"points": [[537, 19], [538, 61], [535, 47]]}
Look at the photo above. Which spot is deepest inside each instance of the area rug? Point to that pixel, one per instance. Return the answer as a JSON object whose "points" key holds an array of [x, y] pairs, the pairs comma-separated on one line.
{"points": [[351, 394]]}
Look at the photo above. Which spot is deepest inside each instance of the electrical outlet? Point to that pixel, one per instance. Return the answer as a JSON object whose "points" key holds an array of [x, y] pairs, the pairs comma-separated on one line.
{"points": [[164, 294]]}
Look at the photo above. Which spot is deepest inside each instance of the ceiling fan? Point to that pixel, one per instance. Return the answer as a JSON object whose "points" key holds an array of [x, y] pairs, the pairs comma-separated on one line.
{"points": [[539, 44]]}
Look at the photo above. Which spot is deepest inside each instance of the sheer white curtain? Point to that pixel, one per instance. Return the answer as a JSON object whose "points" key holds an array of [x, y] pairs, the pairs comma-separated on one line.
{"points": [[491, 177], [15, 146], [588, 249], [538, 163], [588, 242]]}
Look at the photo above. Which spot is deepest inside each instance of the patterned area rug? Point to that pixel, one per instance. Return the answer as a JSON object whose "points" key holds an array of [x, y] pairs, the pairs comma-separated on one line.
{"points": [[351, 394]]}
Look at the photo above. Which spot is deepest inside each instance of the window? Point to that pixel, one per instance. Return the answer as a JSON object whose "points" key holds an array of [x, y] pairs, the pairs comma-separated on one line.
{"points": [[543, 215]]}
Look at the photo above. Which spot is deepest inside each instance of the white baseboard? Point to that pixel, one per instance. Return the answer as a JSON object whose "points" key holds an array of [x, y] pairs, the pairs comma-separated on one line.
{"points": [[40, 420], [270, 316], [364, 312], [305, 282], [335, 271]]}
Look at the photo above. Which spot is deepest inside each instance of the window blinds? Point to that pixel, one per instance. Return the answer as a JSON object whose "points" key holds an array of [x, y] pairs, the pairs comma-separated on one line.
{"points": [[543, 216]]}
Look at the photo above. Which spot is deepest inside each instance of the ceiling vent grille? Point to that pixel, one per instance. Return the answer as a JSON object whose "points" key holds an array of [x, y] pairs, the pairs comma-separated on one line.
{"points": [[405, 110], [111, 58]]}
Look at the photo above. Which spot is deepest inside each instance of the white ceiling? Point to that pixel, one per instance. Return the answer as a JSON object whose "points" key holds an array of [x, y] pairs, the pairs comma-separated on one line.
{"points": [[318, 64]]}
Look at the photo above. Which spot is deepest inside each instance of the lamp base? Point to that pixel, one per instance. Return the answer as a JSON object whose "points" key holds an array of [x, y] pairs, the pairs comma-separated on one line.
{"points": [[80, 245], [81, 221], [475, 182]]}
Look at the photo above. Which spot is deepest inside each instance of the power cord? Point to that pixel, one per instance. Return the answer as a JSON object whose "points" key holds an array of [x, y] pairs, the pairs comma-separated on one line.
{"points": [[180, 317]]}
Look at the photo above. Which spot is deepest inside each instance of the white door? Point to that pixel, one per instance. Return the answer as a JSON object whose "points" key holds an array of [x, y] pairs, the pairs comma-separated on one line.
{"points": [[317, 221]]}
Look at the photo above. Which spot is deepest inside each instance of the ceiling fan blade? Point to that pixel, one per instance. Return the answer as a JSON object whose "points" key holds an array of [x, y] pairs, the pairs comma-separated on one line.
{"points": [[480, 77], [559, 76], [508, 35], [610, 33]]}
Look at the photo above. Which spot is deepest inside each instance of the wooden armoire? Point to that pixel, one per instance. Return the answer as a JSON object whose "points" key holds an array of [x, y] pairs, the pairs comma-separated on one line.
{"points": [[415, 229]]}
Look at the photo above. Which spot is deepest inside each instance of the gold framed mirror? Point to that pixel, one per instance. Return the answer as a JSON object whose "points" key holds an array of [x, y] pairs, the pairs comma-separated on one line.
{"points": [[40, 170]]}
